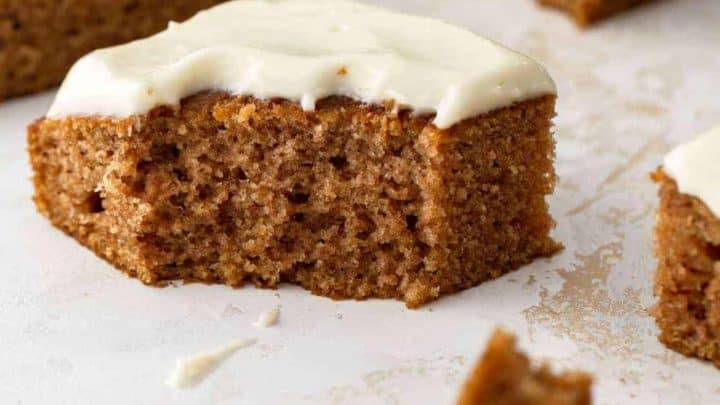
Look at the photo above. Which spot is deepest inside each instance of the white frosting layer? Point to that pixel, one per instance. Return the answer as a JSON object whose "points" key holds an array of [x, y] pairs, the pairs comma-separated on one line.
{"points": [[192, 370], [695, 166], [268, 318], [304, 50]]}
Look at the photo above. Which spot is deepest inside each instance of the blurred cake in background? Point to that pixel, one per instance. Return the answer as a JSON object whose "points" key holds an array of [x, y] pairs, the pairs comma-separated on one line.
{"points": [[40, 40], [687, 245], [586, 12], [505, 376]]}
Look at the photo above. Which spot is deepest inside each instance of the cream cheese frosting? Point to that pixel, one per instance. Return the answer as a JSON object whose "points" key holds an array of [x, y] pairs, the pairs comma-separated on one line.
{"points": [[695, 166], [304, 50], [193, 370]]}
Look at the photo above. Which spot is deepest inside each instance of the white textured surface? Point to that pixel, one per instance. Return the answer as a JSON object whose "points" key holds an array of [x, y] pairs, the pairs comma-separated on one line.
{"points": [[304, 50], [73, 330], [695, 166]]}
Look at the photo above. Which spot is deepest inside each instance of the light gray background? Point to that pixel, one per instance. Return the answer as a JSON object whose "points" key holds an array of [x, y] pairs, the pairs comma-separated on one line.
{"points": [[73, 330]]}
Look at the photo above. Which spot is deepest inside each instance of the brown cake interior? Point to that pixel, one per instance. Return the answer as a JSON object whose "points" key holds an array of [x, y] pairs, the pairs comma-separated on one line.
{"points": [[350, 200], [687, 281], [505, 376], [41, 39]]}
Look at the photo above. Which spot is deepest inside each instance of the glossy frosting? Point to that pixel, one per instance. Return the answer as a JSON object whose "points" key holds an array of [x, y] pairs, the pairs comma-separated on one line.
{"points": [[695, 166], [304, 50]]}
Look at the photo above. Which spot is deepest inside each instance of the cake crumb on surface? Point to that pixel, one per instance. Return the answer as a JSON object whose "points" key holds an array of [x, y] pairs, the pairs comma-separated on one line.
{"points": [[268, 318], [588, 12], [192, 370], [506, 376]]}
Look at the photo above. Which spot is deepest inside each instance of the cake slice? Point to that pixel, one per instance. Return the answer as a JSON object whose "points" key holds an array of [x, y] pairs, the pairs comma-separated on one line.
{"points": [[687, 245], [586, 12], [40, 40], [331, 144], [504, 376]]}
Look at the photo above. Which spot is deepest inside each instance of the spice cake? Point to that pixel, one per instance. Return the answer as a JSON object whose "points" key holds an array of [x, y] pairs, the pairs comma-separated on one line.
{"points": [[504, 376], [326, 143], [40, 40], [687, 245], [586, 12]]}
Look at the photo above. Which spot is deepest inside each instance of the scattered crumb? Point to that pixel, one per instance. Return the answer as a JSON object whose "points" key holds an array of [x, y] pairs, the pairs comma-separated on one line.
{"points": [[191, 371], [342, 71], [268, 318], [231, 310]]}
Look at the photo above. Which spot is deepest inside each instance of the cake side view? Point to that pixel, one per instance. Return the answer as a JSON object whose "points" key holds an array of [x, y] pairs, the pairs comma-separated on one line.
{"points": [[358, 162], [40, 40], [587, 12], [505, 376], [687, 245]]}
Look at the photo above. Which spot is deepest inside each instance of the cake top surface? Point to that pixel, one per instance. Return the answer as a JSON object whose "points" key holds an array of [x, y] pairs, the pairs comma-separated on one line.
{"points": [[304, 50], [695, 166]]}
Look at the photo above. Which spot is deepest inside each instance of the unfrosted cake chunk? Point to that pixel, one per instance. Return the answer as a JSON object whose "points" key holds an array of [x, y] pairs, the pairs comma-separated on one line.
{"points": [[505, 376], [586, 12], [687, 245], [40, 40], [325, 143]]}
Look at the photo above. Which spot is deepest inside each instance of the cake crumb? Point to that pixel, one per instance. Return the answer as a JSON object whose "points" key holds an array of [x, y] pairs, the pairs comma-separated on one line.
{"points": [[342, 71], [268, 318], [191, 371]]}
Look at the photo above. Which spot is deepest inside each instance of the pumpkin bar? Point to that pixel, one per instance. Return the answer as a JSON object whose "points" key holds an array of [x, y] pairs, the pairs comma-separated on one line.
{"points": [[311, 142], [687, 245]]}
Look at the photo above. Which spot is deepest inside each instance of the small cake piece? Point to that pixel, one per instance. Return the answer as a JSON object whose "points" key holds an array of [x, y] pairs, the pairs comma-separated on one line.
{"points": [[40, 40], [586, 12], [687, 245], [326, 143], [504, 376]]}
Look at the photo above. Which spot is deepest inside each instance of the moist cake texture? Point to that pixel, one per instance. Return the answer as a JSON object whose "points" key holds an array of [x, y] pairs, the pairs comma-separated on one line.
{"points": [[505, 376], [587, 12], [40, 40], [347, 197], [687, 245]]}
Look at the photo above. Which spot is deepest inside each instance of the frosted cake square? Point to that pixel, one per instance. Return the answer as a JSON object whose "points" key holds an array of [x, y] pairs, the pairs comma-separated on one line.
{"points": [[313, 142], [687, 245]]}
